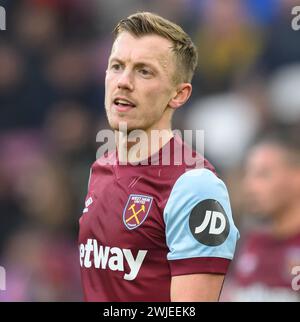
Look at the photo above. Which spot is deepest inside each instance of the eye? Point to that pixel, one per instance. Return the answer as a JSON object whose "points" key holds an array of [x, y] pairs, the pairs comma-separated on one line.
{"points": [[145, 72], [115, 66]]}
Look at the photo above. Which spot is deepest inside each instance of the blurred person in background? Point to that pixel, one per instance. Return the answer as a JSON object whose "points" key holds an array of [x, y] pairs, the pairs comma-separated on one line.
{"points": [[268, 253]]}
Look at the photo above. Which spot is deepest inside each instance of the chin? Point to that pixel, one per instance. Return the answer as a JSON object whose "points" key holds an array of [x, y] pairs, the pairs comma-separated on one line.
{"points": [[115, 126], [130, 126]]}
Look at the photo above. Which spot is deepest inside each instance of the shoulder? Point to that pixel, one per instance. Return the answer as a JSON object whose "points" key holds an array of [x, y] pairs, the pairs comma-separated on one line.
{"points": [[108, 159], [198, 217], [199, 180], [195, 186], [190, 157], [101, 166]]}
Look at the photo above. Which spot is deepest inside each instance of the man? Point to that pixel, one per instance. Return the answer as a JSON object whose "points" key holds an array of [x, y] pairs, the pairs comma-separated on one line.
{"points": [[268, 261], [152, 232]]}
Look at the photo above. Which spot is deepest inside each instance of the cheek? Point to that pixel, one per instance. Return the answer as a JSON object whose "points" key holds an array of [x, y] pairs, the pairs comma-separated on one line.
{"points": [[260, 189], [156, 97], [276, 190], [285, 187], [109, 83]]}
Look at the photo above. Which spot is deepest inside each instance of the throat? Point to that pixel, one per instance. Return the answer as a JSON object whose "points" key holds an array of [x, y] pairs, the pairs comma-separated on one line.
{"points": [[136, 147]]}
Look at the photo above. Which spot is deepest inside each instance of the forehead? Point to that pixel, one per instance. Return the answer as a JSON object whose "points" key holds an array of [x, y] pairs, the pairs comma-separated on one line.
{"points": [[153, 48], [267, 155]]}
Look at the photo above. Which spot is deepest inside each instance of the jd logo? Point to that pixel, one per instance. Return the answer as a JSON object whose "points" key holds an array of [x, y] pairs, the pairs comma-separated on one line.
{"points": [[296, 20], [2, 279], [209, 223], [2, 18], [214, 215]]}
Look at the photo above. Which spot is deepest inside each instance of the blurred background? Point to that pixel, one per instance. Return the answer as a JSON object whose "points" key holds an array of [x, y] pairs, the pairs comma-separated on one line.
{"points": [[53, 57]]}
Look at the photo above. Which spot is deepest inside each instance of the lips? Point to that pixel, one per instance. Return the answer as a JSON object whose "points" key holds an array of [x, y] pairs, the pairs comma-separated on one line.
{"points": [[123, 102]]}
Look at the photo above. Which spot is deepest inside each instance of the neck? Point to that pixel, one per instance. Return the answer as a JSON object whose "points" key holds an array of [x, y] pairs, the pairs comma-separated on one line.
{"points": [[287, 223], [138, 145]]}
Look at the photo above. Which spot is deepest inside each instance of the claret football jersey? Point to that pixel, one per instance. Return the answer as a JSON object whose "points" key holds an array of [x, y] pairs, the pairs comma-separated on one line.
{"points": [[143, 224]]}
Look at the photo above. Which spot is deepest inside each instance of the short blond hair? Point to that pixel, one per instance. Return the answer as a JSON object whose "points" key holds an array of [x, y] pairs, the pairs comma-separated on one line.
{"points": [[145, 23]]}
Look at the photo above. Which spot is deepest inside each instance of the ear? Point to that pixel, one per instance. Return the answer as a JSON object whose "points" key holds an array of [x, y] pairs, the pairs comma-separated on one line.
{"points": [[182, 94]]}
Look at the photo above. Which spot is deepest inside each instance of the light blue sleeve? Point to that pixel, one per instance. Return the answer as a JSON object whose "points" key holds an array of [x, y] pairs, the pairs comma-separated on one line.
{"points": [[198, 218]]}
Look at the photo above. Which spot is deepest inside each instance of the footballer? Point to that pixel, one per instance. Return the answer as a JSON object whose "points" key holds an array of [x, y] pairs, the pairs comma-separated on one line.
{"points": [[155, 231]]}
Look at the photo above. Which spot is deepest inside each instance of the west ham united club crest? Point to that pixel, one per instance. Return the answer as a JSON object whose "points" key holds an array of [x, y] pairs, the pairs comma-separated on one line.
{"points": [[136, 210]]}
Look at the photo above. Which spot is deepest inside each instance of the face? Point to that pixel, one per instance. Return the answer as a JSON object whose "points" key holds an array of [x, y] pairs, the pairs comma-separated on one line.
{"points": [[269, 182], [138, 84]]}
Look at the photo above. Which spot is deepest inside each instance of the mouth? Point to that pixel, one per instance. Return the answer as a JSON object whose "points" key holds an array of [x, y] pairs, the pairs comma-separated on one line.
{"points": [[123, 104]]}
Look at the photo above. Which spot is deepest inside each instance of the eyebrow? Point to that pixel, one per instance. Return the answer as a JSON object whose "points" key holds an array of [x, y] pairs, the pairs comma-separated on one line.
{"points": [[139, 63]]}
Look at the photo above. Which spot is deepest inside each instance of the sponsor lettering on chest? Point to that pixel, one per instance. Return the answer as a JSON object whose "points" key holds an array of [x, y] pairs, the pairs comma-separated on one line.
{"points": [[104, 257]]}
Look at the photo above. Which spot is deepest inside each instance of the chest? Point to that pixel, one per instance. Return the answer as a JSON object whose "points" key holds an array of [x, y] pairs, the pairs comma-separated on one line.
{"points": [[271, 263], [125, 212]]}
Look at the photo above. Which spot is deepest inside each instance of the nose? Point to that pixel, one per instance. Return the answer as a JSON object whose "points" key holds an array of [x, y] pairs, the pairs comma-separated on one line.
{"points": [[125, 81]]}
